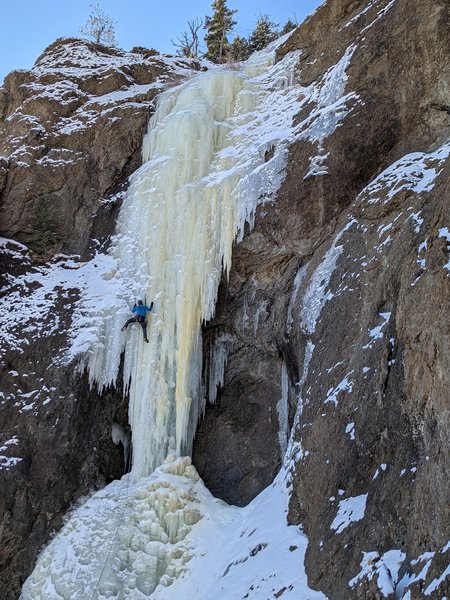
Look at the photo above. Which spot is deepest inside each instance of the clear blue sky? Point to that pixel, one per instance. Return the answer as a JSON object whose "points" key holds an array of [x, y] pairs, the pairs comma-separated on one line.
{"points": [[27, 27]]}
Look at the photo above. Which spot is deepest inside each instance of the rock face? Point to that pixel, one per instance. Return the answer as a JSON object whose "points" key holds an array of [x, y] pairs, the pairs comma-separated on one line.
{"points": [[56, 442], [70, 134], [333, 323], [71, 129], [342, 288]]}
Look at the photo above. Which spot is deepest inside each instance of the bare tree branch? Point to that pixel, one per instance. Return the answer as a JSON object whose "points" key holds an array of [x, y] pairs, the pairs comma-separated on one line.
{"points": [[187, 43], [100, 27]]}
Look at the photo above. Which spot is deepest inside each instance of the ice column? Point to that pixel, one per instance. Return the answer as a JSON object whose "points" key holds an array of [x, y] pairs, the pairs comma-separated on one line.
{"points": [[174, 236]]}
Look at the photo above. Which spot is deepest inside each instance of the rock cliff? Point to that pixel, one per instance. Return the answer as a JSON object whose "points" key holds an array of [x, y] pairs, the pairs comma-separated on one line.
{"points": [[77, 119], [70, 134], [338, 300], [332, 326]]}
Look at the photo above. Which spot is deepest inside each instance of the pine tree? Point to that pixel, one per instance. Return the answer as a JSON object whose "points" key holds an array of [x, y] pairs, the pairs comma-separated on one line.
{"points": [[217, 27], [265, 32], [288, 26], [45, 234], [239, 49]]}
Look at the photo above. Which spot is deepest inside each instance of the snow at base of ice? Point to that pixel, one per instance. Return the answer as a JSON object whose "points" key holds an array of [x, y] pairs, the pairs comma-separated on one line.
{"points": [[126, 539], [255, 556], [167, 537]]}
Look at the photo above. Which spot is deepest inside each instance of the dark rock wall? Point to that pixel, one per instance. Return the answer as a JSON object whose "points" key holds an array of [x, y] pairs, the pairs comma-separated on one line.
{"points": [[51, 421], [372, 375]]}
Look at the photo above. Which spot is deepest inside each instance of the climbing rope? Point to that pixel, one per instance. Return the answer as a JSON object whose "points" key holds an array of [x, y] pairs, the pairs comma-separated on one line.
{"points": [[127, 490]]}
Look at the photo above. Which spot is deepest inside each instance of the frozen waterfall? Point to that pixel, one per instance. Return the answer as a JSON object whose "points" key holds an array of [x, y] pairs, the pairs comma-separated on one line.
{"points": [[200, 180], [173, 233], [215, 149]]}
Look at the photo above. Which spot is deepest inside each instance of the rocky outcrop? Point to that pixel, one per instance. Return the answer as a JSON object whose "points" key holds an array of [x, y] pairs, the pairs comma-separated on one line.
{"points": [[70, 134], [339, 295], [72, 131], [56, 443]]}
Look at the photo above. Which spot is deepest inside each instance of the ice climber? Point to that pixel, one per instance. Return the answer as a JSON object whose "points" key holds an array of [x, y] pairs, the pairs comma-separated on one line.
{"points": [[140, 311]]}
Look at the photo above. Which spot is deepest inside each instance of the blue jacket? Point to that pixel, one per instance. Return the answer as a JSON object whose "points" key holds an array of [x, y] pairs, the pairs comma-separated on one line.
{"points": [[141, 309]]}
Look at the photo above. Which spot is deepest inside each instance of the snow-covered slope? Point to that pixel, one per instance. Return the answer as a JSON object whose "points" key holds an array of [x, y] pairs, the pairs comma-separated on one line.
{"points": [[167, 537]]}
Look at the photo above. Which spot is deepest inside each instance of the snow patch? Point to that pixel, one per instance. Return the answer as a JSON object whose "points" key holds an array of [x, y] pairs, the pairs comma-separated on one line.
{"points": [[384, 568], [437, 582], [349, 511], [380, 15], [350, 430], [381, 468], [317, 293], [376, 333], [6, 462], [445, 233], [317, 166], [331, 103], [415, 172], [410, 578], [418, 221], [346, 385]]}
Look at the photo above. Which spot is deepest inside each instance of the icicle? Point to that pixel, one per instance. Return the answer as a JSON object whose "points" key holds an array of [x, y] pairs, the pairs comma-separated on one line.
{"points": [[174, 234], [282, 410], [119, 435], [204, 169]]}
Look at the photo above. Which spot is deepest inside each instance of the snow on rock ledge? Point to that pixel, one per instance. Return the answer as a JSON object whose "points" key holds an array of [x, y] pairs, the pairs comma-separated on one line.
{"points": [[71, 130]]}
